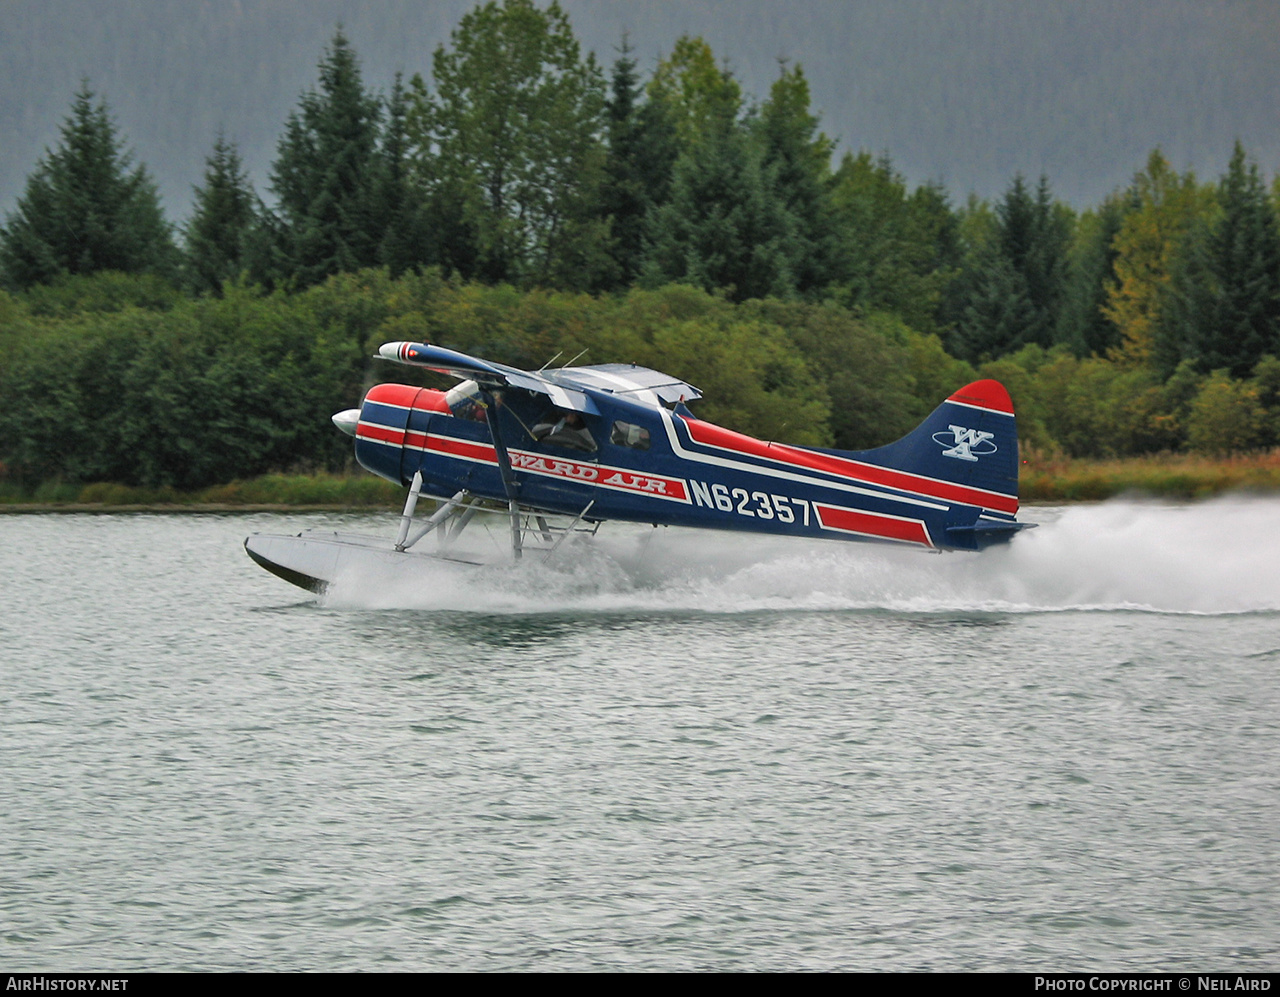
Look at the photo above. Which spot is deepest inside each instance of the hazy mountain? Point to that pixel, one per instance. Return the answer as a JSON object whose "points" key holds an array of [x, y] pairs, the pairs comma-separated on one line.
{"points": [[964, 91]]}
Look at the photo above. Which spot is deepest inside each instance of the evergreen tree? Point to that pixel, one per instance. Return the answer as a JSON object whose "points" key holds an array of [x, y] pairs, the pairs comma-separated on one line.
{"points": [[1185, 298], [218, 233], [796, 160], [398, 204], [86, 208], [1091, 260], [325, 174], [1243, 322], [936, 225], [512, 135], [896, 251], [1034, 233], [723, 226], [1163, 207], [1012, 290], [642, 152], [997, 310]]}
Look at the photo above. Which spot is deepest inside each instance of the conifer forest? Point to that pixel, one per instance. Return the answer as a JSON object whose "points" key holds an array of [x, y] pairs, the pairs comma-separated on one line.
{"points": [[519, 200]]}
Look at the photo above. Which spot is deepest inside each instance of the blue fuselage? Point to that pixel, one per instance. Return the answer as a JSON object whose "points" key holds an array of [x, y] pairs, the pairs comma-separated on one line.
{"points": [[635, 459]]}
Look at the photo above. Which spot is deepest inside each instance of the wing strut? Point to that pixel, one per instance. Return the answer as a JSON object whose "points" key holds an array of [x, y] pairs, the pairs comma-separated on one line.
{"points": [[509, 483]]}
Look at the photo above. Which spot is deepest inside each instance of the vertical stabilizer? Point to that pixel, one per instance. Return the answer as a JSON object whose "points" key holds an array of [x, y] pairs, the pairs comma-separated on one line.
{"points": [[970, 440]]}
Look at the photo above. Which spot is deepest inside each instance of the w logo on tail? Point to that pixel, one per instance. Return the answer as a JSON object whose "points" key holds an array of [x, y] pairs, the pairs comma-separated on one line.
{"points": [[968, 444]]}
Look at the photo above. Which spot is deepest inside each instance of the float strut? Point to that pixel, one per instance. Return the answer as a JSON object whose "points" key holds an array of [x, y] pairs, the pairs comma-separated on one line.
{"points": [[437, 517], [570, 528], [410, 503], [464, 518]]}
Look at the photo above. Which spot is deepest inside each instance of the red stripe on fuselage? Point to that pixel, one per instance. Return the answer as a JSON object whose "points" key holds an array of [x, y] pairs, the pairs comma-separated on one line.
{"points": [[834, 517], [712, 435], [401, 396], [908, 482], [606, 476], [380, 434], [465, 449]]}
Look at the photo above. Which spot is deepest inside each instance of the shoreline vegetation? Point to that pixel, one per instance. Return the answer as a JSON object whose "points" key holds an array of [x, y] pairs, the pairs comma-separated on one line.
{"points": [[673, 223], [1170, 476], [1045, 480]]}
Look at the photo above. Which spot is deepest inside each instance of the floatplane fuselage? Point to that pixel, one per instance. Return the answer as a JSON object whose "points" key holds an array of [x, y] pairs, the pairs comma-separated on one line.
{"points": [[617, 442]]}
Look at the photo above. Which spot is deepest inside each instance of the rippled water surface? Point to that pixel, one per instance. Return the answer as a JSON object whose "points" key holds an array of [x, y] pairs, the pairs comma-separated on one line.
{"points": [[668, 751]]}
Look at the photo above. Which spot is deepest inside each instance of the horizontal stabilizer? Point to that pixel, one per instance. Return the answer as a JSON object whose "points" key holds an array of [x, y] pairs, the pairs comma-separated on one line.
{"points": [[983, 533]]}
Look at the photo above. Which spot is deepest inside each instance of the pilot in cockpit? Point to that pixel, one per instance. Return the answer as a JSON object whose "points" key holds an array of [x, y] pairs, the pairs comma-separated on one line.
{"points": [[564, 429]]}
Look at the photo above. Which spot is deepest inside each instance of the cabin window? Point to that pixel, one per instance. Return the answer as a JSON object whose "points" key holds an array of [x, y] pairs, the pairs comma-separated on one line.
{"points": [[562, 428], [628, 434]]}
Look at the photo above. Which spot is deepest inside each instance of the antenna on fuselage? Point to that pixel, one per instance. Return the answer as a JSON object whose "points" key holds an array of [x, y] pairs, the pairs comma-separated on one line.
{"points": [[575, 356], [550, 362]]}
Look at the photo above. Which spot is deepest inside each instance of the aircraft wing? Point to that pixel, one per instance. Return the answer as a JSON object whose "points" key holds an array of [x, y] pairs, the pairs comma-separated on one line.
{"points": [[625, 378], [487, 373]]}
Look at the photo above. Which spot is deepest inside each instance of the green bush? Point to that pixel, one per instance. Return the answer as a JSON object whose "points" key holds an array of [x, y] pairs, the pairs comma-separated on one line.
{"points": [[1226, 417]]}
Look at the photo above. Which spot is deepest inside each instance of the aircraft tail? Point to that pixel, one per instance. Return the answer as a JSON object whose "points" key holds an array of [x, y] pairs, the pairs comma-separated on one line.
{"points": [[966, 454]]}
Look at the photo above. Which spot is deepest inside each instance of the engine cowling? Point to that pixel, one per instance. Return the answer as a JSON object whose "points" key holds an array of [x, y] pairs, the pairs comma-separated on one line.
{"points": [[390, 428]]}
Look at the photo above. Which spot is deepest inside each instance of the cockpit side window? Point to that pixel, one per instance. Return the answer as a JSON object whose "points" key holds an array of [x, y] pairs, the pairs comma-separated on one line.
{"points": [[628, 434], [562, 428]]}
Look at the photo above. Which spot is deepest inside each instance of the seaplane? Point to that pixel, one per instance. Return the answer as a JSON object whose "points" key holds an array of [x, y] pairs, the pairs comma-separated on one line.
{"points": [[555, 453]]}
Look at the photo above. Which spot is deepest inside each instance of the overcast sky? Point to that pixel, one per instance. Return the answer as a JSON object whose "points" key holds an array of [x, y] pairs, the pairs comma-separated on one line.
{"points": [[968, 92]]}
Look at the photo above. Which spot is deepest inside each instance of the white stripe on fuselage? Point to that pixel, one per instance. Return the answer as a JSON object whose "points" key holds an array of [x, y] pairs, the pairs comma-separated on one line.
{"points": [[738, 465], [648, 397]]}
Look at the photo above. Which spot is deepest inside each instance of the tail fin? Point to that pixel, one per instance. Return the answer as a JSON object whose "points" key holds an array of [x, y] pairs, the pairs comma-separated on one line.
{"points": [[971, 440], [966, 453]]}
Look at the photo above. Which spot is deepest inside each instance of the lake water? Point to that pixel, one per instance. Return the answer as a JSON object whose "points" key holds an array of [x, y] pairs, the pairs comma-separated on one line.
{"points": [[670, 751]]}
